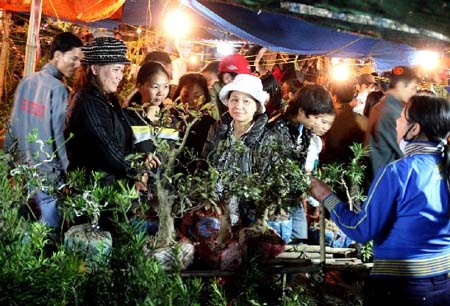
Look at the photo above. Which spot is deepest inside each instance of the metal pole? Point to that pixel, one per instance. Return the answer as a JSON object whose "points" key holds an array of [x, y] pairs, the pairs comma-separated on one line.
{"points": [[322, 236], [5, 19]]}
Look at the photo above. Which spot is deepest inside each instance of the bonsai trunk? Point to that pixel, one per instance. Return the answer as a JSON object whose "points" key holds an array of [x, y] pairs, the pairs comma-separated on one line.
{"points": [[259, 240], [355, 189], [166, 233]]}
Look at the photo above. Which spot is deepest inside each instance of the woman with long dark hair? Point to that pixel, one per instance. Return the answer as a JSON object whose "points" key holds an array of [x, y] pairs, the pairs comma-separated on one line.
{"points": [[101, 132], [193, 93], [372, 99], [407, 212], [273, 105]]}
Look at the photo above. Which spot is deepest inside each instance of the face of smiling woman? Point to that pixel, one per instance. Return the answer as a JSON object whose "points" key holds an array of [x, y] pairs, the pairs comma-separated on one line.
{"points": [[108, 76], [242, 107]]}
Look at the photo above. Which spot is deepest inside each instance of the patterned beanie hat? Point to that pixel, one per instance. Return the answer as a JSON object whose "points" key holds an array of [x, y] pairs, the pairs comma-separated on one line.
{"points": [[104, 51]]}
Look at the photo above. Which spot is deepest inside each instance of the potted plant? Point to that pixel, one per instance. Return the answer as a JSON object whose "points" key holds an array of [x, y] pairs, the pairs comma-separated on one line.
{"points": [[176, 192], [85, 199], [347, 181], [278, 189]]}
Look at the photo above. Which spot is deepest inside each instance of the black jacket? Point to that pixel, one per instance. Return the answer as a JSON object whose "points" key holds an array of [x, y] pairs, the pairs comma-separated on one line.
{"points": [[102, 135], [258, 141], [295, 144], [138, 118]]}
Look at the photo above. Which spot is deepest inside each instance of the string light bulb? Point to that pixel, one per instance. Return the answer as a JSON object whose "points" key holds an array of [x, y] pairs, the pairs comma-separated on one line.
{"points": [[177, 24], [340, 72], [428, 60], [193, 59]]}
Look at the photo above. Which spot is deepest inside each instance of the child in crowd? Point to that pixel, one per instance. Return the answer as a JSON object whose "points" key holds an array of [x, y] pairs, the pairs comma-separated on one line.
{"points": [[294, 131]]}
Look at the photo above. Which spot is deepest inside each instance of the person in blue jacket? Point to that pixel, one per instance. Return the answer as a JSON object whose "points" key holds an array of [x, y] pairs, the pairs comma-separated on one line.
{"points": [[407, 212]]}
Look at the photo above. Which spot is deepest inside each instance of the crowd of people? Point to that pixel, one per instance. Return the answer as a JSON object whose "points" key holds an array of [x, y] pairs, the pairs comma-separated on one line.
{"points": [[406, 213]]}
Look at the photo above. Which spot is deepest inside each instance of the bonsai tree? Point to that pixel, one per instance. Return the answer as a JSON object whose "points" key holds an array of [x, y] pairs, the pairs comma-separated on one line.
{"points": [[276, 182], [174, 191], [279, 186], [348, 179], [83, 197], [28, 176], [83, 200]]}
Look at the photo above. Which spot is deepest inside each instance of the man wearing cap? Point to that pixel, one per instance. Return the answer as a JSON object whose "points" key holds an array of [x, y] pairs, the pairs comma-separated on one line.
{"points": [[102, 135], [364, 86], [39, 109], [381, 135], [229, 67]]}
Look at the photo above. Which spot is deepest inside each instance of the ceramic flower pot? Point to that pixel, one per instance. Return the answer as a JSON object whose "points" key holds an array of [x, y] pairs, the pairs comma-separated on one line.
{"points": [[94, 244]]}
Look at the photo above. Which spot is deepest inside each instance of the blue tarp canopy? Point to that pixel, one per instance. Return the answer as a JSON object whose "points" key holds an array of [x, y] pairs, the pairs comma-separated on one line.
{"points": [[134, 12], [285, 33], [149, 13], [278, 32]]}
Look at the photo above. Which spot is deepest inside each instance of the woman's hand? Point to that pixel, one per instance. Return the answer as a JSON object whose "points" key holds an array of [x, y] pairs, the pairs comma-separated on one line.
{"points": [[319, 190], [151, 161], [139, 186]]}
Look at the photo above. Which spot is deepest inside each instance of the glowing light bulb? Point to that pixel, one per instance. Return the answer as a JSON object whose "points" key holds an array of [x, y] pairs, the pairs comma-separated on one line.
{"points": [[193, 59], [340, 72], [428, 60], [177, 24]]}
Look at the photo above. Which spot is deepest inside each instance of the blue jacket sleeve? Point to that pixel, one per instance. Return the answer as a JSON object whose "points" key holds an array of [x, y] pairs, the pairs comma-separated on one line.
{"points": [[376, 212]]}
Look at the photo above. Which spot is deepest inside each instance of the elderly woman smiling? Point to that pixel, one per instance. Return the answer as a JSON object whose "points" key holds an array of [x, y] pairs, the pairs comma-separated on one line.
{"points": [[245, 123]]}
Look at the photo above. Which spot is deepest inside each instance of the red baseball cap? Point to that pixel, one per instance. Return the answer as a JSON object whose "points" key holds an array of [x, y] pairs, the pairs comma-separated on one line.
{"points": [[235, 63]]}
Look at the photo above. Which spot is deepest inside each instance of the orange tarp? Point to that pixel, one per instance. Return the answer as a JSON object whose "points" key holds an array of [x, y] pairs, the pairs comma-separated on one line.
{"points": [[70, 10]]}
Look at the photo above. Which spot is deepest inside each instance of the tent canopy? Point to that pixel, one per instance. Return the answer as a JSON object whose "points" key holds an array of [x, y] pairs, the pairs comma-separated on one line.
{"points": [[289, 34], [70, 10], [277, 31], [422, 24]]}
